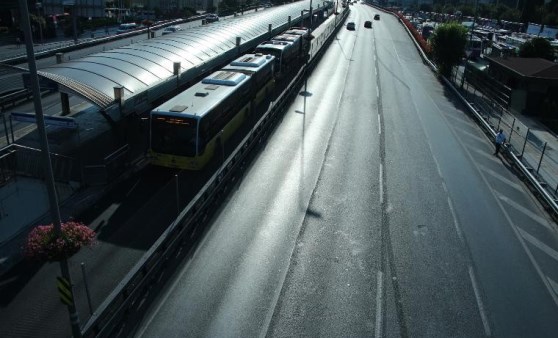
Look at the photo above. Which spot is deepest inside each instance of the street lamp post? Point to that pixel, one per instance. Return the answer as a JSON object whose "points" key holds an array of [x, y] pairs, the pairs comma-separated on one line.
{"points": [[38, 5], [311, 15], [74, 23], [52, 197]]}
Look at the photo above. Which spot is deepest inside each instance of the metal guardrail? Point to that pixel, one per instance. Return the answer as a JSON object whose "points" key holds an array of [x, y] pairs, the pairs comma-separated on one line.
{"points": [[26, 161], [13, 97], [122, 309], [539, 186]]}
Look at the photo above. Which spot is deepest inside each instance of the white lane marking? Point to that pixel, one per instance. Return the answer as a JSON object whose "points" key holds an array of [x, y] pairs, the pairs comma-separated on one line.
{"points": [[487, 155], [377, 92], [553, 284], [540, 245], [502, 178], [479, 302], [475, 136], [455, 222], [521, 240], [381, 185], [444, 186], [132, 189], [541, 220], [459, 119], [379, 125], [8, 281], [379, 302], [435, 161]]}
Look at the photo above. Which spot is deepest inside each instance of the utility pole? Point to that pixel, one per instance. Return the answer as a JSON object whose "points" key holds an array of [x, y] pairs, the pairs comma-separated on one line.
{"points": [[47, 164]]}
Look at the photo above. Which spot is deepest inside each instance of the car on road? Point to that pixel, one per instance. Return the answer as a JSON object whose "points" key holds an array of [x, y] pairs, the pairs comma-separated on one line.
{"points": [[368, 24], [171, 29], [126, 27], [211, 18], [351, 26], [377, 17]]}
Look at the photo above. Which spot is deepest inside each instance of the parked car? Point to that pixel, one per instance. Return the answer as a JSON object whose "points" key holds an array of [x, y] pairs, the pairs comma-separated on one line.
{"points": [[211, 18], [368, 24], [377, 17], [126, 27], [351, 26], [171, 29]]}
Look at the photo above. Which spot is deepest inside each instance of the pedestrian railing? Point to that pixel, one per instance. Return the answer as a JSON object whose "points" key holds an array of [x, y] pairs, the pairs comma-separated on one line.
{"points": [[533, 158]]}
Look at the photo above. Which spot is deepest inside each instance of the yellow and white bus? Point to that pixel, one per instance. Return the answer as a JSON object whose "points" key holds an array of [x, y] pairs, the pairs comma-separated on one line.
{"points": [[189, 129]]}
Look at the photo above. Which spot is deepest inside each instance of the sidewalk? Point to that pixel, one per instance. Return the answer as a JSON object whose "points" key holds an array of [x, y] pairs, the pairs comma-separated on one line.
{"points": [[529, 139]]}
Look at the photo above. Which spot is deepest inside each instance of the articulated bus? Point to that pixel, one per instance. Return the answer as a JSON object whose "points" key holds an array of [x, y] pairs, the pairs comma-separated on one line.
{"points": [[189, 129], [285, 53], [261, 68]]}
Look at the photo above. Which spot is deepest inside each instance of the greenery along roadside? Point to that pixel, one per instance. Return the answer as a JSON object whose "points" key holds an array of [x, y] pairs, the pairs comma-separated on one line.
{"points": [[448, 46]]}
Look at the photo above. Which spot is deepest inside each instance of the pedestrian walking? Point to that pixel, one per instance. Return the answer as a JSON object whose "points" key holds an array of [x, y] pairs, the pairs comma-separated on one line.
{"points": [[500, 139], [18, 42]]}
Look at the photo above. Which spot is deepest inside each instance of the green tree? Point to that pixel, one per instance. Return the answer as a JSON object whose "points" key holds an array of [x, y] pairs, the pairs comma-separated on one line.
{"points": [[466, 10], [537, 48], [550, 19], [448, 46], [511, 14], [425, 7]]}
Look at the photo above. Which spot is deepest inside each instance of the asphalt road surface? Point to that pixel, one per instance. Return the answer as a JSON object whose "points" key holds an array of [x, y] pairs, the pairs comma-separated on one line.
{"points": [[375, 209]]}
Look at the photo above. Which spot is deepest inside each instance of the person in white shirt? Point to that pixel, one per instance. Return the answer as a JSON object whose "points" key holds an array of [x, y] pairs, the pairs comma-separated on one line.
{"points": [[500, 139]]}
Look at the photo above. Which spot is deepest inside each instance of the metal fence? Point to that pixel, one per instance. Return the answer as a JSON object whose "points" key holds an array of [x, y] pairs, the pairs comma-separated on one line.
{"points": [[536, 153], [122, 309], [21, 160]]}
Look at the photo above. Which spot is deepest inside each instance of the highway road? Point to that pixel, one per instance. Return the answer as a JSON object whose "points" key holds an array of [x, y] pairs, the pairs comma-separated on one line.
{"points": [[375, 209]]}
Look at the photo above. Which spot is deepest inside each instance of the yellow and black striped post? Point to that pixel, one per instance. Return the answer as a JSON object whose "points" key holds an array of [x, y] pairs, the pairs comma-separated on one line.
{"points": [[65, 290]]}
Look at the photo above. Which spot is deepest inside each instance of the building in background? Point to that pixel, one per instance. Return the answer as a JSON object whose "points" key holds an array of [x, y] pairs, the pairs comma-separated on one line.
{"points": [[83, 8]]}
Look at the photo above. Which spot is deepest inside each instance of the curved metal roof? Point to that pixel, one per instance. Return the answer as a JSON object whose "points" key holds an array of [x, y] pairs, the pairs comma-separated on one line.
{"points": [[138, 66]]}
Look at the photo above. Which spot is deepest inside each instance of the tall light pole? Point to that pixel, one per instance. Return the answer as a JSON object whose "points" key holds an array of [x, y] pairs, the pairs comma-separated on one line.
{"points": [[52, 197], [38, 5], [74, 22], [311, 15]]}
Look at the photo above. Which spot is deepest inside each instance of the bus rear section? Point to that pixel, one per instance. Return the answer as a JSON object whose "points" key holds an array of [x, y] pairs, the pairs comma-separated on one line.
{"points": [[285, 54], [188, 130], [261, 68]]}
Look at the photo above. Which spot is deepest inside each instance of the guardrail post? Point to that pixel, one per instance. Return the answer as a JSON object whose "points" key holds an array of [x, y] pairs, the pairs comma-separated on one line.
{"points": [[5, 126], [542, 155], [12, 129], [499, 120], [177, 194], [269, 29], [525, 143], [86, 288], [59, 57], [289, 20], [238, 40], [511, 131]]}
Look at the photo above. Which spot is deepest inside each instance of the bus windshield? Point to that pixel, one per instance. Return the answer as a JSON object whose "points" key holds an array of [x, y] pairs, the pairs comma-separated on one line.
{"points": [[173, 135]]}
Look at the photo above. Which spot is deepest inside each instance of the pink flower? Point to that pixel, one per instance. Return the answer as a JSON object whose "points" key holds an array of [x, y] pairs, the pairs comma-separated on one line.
{"points": [[43, 244]]}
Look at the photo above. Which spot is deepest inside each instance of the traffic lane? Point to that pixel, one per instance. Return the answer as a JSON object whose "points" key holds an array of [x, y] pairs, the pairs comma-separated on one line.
{"points": [[429, 267], [498, 253], [231, 284], [497, 250], [331, 285]]}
